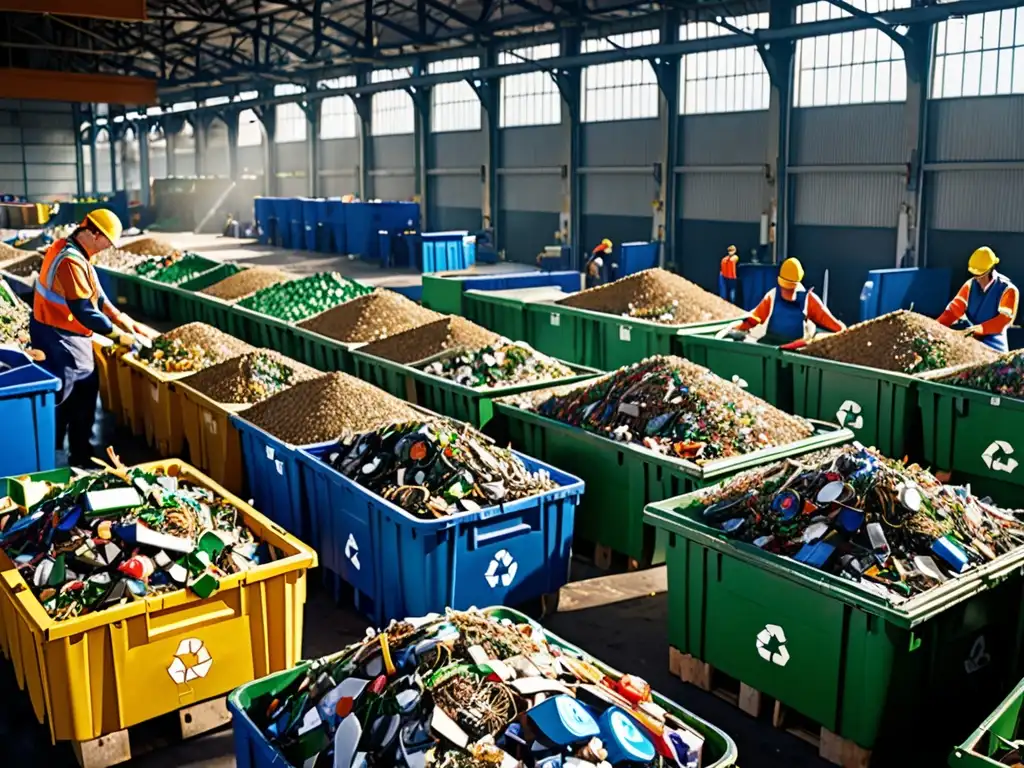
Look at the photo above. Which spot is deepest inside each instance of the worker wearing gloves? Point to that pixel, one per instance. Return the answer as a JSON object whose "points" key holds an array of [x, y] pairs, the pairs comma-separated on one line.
{"points": [[789, 313], [727, 275], [69, 306], [988, 301], [594, 268]]}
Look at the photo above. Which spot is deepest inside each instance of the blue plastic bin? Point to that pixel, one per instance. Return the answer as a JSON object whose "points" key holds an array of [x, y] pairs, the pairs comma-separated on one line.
{"points": [[443, 251], [28, 402], [272, 470], [509, 554], [296, 228], [384, 248], [310, 223], [334, 218], [636, 257], [263, 211]]}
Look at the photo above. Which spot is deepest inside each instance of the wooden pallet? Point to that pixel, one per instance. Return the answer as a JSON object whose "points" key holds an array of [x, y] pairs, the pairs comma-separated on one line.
{"points": [[605, 557], [831, 746], [121, 746]]}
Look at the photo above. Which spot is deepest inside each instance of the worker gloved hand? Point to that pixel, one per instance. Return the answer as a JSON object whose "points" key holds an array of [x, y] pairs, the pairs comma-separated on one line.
{"points": [[726, 331], [139, 329], [974, 330], [121, 338]]}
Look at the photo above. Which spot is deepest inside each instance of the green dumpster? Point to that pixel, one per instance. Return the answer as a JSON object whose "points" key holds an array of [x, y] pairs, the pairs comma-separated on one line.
{"points": [[126, 287], [622, 477], [603, 341], [892, 678], [989, 746], [184, 303], [155, 296], [758, 368], [322, 352], [265, 331], [504, 312], [976, 435], [442, 294], [879, 406]]}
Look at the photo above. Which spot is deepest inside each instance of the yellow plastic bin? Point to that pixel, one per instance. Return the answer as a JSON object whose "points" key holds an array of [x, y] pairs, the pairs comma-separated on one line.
{"points": [[128, 414], [106, 357], [101, 673], [214, 444], [160, 409]]}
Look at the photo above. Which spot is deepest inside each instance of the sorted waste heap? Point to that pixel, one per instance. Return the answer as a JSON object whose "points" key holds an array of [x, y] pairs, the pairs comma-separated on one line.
{"points": [[118, 259], [467, 690], [321, 410], [435, 468], [656, 295], [251, 378], [245, 282], [448, 333], [14, 318], [900, 341], [110, 537], [26, 266], [368, 318], [192, 347], [671, 406], [175, 270], [1003, 376], [150, 246], [504, 364], [890, 527], [304, 297]]}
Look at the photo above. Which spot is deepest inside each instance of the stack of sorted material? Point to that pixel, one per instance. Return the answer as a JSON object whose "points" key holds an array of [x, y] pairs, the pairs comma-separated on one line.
{"points": [[889, 527], [107, 538], [119, 259], [8, 254], [368, 318], [435, 468], [304, 297], [14, 318], [26, 266], [655, 295], [468, 690], [175, 270], [901, 341], [504, 364], [150, 246], [191, 348], [251, 378], [246, 282], [322, 409], [448, 333], [1004, 376], [671, 406]]}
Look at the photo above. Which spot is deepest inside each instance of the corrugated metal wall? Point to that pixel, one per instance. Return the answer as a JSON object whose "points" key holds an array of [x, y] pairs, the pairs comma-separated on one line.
{"points": [[37, 150], [252, 161], [393, 174], [455, 198], [216, 158], [339, 167], [184, 149], [531, 188], [292, 164]]}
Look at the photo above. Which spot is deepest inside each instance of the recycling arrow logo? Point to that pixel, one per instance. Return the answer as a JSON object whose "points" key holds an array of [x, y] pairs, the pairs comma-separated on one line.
{"points": [[191, 661], [993, 457], [501, 570], [352, 551], [771, 645], [850, 408]]}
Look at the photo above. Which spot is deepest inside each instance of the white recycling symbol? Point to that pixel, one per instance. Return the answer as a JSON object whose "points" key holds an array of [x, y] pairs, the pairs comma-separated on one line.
{"points": [[978, 658], [191, 661], [846, 410], [781, 655], [502, 569], [352, 551], [998, 464]]}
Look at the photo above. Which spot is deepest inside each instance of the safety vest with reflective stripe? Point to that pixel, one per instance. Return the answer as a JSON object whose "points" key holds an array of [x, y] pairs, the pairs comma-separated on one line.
{"points": [[49, 305]]}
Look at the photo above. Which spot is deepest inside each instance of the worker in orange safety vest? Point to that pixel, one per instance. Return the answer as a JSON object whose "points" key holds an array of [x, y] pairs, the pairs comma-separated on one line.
{"points": [[727, 275], [987, 301]]}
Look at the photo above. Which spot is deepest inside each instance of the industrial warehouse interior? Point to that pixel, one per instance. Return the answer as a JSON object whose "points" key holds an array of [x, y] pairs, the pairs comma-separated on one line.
{"points": [[512, 383]]}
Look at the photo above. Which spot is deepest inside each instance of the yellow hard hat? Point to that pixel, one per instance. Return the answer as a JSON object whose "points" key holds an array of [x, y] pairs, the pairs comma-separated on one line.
{"points": [[106, 222], [982, 260], [790, 273], [732, 249]]}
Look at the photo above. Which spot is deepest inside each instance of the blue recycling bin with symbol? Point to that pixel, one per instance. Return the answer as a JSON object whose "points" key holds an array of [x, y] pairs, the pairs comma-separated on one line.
{"points": [[512, 553]]}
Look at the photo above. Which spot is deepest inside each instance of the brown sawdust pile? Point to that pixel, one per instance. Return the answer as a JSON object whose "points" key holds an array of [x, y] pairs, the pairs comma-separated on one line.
{"points": [[149, 246], [246, 282], [371, 317], [432, 339]]}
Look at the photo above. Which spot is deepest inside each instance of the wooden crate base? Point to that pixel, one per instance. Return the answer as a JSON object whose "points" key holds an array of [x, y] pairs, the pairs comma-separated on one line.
{"points": [[831, 747], [121, 746], [605, 557]]}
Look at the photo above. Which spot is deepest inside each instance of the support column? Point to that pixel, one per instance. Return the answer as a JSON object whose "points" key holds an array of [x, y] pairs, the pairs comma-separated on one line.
{"points": [[489, 92], [779, 63], [268, 116], [569, 84], [113, 158], [76, 118], [142, 130], [231, 119], [170, 140], [94, 171], [667, 72], [312, 110], [362, 102], [200, 125], [423, 156], [918, 56]]}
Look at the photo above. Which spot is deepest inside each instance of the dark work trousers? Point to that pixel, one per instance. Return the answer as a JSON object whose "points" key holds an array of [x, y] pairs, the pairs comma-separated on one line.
{"points": [[69, 358]]}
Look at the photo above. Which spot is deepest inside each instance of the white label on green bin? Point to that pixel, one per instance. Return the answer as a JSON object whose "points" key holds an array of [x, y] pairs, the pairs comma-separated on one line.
{"points": [[624, 333], [771, 645], [352, 551], [849, 415], [995, 401], [502, 569], [556, 319], [979, 658], [997, 457]]}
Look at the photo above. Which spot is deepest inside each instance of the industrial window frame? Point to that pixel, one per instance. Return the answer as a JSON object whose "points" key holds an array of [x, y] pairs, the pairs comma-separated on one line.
{"points": [[530, 98], [862, 67], [338, 116], [250, 133], [392, 113], [290, 124], [620, 90], [454, 106], [970, 60], [716, 82]]}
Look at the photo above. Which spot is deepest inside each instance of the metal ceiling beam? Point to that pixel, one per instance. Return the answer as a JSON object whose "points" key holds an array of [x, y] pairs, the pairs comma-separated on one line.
{"points": [[120, 10], [74, 87]]}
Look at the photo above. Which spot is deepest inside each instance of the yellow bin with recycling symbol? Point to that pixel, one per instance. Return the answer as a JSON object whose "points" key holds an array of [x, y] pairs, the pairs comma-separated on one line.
{"points": [[103, 672]]}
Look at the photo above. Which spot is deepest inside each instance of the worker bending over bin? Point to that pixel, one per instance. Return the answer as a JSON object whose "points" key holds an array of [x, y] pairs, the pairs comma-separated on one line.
{"points": [[70, 306], [987, 302], [727, 275], [787, 314]]}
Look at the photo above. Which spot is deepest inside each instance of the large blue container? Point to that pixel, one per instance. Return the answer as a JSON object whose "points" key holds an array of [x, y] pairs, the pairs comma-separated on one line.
{"points": [[443, 251], [334, 218], [279, 232], [263, 210], [28, 404], [363, 222], [310, 223], [272, 469], [636, 257], [296, 228], [924, 290], [509, 554]]}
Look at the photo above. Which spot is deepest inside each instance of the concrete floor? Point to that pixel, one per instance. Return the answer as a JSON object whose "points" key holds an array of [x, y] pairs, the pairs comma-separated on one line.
{"points": [[620, 619]]}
